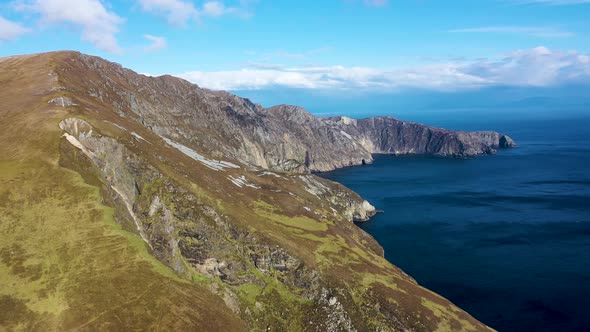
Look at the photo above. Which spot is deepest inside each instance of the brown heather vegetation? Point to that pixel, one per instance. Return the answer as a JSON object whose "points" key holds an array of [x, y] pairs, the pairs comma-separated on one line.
{"points": [[220, 257]]}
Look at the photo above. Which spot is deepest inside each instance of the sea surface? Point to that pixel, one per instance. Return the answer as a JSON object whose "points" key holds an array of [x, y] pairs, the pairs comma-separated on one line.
{"points": [[505, 237]]}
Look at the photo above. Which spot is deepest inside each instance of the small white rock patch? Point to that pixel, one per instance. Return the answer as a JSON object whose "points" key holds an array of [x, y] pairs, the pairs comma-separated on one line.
{"points": [[216, 165], [120, 127], [74, 141], [345, 134], [136, 135], [242, 182], [271, 174]]}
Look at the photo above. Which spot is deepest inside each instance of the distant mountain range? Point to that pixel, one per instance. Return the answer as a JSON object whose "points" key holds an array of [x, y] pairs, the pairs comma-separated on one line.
{"points": [[518, 100]]}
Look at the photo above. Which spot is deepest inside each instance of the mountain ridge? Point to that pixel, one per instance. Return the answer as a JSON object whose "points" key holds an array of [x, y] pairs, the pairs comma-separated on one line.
{"points": [[138, 202], [287, 137]]}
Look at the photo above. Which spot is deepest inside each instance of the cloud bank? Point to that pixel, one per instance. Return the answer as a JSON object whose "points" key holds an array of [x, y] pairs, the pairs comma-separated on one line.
{"points": [[538, 67], [99, 25]]}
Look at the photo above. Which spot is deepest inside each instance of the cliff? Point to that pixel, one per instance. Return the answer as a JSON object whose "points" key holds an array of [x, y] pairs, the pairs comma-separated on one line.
{"points": [[282, 138], [131, 202], [391, 136]]}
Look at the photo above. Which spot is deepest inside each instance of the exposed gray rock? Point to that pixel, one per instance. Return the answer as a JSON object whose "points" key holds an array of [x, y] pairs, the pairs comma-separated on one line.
{"points": [[391, 136], [115, 164], [336, 317], [220, 125], [363, 211], [179, 228], [353, 207], [62, 101]]}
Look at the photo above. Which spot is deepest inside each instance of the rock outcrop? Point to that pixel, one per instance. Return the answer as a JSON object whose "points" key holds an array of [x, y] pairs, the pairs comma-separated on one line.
{"points": [[387, 135]]}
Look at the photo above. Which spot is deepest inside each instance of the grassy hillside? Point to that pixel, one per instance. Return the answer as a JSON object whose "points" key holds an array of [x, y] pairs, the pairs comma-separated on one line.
{"points": [[231, 249], [64, 262]]}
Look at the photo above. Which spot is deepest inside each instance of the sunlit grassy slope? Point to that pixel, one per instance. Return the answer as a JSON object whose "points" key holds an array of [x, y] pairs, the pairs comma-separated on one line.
{"points": [[66, 264]]}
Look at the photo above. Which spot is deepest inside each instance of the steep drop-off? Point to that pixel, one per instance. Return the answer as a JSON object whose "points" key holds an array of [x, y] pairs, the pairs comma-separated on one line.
{"points": [[387, 135], [130, 202], [282, 138]]}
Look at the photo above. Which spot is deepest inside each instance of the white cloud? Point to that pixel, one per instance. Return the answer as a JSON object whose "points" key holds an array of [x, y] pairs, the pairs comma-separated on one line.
{"points": [[535, 67], [10, 30], [180, 12], [335, 77], [99, 26], [520, 30], [215, 8], [177, 12], [157, 43]]}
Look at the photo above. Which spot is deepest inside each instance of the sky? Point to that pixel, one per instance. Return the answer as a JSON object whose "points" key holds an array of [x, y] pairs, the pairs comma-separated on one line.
{"points": [[329, 46]]}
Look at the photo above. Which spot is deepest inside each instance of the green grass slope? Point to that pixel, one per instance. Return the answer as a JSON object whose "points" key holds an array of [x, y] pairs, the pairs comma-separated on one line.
{"points": [[64, 263], [70, 258]]}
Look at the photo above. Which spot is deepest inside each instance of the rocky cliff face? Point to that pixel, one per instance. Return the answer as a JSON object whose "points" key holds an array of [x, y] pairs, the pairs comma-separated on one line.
{"points": [[129, 202], [282, 138], [391, 136]]}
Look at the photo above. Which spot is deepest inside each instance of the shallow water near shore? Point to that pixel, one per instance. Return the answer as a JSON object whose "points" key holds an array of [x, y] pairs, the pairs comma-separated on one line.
{"points": [[505, 237]]}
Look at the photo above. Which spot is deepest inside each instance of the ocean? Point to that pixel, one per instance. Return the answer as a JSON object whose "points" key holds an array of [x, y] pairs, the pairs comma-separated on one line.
{"points": [[505, 237]]}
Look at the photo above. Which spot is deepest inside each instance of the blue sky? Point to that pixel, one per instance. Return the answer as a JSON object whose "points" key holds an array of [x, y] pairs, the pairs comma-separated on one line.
{"points": [[377, 46]]}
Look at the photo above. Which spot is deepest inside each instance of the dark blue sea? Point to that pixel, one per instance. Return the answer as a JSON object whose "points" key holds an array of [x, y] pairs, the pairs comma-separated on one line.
{"points": [[505, 237]]}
